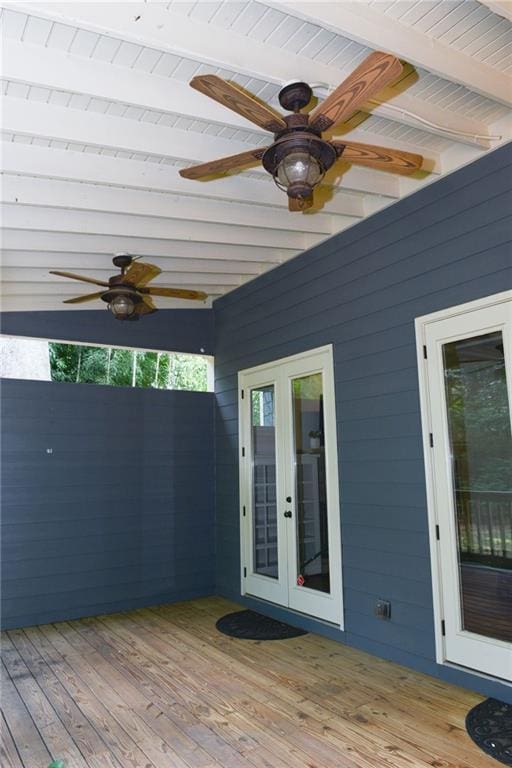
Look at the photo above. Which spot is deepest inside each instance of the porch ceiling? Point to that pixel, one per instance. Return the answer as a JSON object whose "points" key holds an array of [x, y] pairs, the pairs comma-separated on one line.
{"points": [[98, 118]]}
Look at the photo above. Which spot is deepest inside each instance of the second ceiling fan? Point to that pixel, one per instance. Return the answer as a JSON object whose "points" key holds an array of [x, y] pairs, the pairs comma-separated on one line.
{"points": [[299, 156]]}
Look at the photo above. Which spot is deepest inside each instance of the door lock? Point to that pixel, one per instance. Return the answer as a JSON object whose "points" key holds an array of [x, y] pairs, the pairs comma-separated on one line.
{"points": [[288, 513], [289, 499]]}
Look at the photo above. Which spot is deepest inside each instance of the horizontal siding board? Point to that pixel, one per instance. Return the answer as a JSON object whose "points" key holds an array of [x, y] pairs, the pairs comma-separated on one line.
{"points": [[360, 291], [90, 524], [348, 301], [454, 194], [172, 330], [51, 614]]}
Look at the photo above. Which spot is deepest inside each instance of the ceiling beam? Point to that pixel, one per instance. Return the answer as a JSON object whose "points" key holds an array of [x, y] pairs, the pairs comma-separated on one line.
{"points": [[500, 7], [41, 240], [100, 266], [99, 79], [50, 301], [159, 28], [363, 23], [91, 222], [33, 160], [58, 193], [14, 275]]}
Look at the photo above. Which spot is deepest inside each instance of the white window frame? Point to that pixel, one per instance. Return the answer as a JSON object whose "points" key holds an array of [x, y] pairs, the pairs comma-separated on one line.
{"points": [[421, 325], [332, 470]]}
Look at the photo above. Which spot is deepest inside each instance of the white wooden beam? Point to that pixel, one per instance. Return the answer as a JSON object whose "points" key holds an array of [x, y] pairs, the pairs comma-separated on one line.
{"points": [[119, 134], [500, 7], [82, 196], [28, 262], [23, 276], [67, 72], [70, 288], [363, 23], [92, 222], [161, 29], [50, 302], [72, 242], [31, 160]]}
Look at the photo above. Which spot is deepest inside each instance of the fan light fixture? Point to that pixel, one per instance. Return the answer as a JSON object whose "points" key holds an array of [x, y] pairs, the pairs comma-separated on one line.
{"points": [[127, 295], [299, 156], [122, 307]]}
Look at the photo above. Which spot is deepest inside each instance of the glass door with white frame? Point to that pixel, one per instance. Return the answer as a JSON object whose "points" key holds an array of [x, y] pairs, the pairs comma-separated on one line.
{"points": [[469, 384], [290, 510]]}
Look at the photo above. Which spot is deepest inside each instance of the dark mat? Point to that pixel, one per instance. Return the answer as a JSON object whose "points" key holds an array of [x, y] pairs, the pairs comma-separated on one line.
{"points": [[249, 625], [490, 726]]}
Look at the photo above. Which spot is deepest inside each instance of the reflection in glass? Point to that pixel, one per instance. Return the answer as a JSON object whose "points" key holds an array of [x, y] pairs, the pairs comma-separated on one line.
{"points": [[264, 482], [481, 446], [310, 490]]}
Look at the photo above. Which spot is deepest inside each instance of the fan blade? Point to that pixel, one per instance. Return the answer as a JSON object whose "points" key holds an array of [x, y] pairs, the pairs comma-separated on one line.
{"points": [[146, 306], [300, 203], [79, 277], [140, 273], [376, 71], [382, 158], [232, 96], [223, 165], [177, 293], [87, 297]]}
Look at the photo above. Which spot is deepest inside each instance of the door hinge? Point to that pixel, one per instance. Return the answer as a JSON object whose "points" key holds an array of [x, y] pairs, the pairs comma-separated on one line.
{"points": [[242, 394], [243, 451], [243, 511], [425, 351], [443, 628], [431, 439], [437, 530], [245, 573]]}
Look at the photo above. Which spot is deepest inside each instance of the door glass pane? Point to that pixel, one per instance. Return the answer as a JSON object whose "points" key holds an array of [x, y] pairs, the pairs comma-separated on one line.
{"points": [[264, 482], [481, 447], [310, 490]]}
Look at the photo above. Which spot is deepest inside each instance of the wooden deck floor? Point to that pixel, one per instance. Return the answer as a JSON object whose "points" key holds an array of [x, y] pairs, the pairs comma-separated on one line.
{"points": [[161, 687]]}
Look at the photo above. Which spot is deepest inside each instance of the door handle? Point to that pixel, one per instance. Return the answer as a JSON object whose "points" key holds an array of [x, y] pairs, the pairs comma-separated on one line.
{"points": [[287, 513]]}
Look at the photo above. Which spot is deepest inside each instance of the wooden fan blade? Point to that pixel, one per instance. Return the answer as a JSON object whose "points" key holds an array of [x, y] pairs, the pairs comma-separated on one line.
{"points": [[177, 293], [223, 165], [79, 277], [87, 297], [231, 96], [382, 158], [140, 273], [146, 306], [300, 204], [376, 71]]}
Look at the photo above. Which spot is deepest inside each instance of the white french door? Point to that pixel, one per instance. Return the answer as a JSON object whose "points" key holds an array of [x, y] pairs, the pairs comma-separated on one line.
{"points": [[466, 376], [290, 519]]}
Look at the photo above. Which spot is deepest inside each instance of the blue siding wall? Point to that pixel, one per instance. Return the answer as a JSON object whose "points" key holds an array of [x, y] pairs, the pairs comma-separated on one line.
{"points": [[174, 330], [109, 519], [361, 290]]}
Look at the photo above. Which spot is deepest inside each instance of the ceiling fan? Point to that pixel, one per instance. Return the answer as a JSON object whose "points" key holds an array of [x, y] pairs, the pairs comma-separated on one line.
{"points": [[126, 294], [299, 156]]}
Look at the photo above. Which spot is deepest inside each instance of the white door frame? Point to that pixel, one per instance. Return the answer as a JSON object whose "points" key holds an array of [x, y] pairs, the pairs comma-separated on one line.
{"points": [[311, 361], [422, 325]]}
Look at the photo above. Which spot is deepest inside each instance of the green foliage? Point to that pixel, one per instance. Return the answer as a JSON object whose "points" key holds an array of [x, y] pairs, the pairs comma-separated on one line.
{"points": [[127, 367], [479, 422]]}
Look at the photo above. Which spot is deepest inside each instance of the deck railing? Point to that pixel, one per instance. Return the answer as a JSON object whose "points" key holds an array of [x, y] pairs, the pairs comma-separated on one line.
{"points": [[485, 526]]}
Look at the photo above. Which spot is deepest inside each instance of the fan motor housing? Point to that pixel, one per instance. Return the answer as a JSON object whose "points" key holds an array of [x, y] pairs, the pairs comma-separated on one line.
{"points": [[120, 289]]}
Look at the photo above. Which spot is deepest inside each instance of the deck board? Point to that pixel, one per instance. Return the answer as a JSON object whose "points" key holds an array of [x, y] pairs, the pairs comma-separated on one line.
{"points": [[161, 688]]}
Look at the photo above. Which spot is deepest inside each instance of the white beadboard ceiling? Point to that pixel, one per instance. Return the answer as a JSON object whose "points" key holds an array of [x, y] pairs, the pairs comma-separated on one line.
{"points": [[98, 118]]}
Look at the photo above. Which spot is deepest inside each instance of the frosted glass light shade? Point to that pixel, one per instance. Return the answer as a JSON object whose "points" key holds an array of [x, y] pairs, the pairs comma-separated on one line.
{"points": [[121, 307], [299, 168]]}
